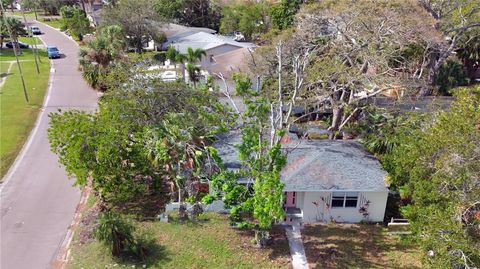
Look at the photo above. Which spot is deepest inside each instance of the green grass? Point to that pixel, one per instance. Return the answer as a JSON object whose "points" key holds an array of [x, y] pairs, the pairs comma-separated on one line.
{"points": [[54, 21], [16, 116], [357, 246], [210, 243], [19, 13], [30, 41]]}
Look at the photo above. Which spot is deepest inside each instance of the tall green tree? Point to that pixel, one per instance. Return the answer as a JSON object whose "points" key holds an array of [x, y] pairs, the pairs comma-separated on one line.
{"points": [[248, 17], [138, 20], [13, 28], [76, 21], [456, 19], [96, 58], [437, 162], [195, 55], [197, 13], [283, 13], [138, 140]]}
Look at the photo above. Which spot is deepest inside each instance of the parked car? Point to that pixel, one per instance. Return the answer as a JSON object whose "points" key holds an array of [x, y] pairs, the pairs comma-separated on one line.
{"points": [[53, 52], [35, 30], [20, 45]]}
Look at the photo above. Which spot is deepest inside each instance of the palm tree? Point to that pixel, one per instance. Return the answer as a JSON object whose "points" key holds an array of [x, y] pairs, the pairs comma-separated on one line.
{"points": [[14, 28], [115, 38], [108, 46], [194, 73], [172, 55], [193, 56]]}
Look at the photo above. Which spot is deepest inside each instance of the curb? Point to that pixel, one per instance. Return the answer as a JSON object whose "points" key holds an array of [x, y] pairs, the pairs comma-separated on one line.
{"points": [[63, 252]]}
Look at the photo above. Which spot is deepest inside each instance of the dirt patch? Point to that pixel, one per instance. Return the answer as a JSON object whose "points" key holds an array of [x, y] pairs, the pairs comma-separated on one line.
{"points": [[356, 246], [87, 225]]}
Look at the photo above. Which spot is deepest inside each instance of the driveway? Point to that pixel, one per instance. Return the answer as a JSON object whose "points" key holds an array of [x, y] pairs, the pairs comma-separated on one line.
{"points": [[37, 200]]}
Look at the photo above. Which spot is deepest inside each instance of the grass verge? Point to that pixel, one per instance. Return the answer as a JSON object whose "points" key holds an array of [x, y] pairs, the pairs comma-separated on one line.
{"points": [[52, 20], [209, 243], [17, 117], [357, 246], [30, 41]]}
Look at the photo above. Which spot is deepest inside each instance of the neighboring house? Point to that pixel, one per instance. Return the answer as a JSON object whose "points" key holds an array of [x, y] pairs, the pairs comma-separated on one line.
{"points": [[326, 180], [229, 63], [94, 12], [214, 45]]}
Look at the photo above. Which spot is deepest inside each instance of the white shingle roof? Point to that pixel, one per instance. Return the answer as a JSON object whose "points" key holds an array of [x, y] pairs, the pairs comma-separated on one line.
{"points": [[204, 41]]}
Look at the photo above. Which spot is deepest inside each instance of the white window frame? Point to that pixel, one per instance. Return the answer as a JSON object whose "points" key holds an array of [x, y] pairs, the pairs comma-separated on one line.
{"points": [[345, 195]]}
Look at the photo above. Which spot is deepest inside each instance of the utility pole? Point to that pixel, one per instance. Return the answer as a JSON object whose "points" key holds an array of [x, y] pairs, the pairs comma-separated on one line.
{"points": [[35, 10], [30, 33]]}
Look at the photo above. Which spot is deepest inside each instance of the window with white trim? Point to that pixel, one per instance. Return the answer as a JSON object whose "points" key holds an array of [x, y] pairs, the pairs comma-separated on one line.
{"points": [[344, 199]]}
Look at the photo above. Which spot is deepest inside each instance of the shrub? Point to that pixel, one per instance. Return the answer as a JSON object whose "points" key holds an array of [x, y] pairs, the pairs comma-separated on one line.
{"points": [[451, 75], [116, 232]]}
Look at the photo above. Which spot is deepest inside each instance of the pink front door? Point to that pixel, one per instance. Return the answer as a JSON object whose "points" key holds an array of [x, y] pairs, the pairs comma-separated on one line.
{"points": [[290, 199]]}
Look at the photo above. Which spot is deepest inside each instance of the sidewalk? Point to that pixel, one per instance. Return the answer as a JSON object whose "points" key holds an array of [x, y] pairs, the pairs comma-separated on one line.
{"points": [[294, 236]]}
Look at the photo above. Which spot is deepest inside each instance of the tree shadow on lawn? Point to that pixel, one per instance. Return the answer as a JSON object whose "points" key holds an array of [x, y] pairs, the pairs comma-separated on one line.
{"points": [[278, 247], [347, 245], [4, 75], [153, 254]]}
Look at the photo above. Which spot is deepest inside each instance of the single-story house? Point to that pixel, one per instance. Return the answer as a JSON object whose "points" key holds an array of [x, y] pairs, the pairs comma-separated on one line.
{"points": [[229, 63], [326, 180], [214, 45]]}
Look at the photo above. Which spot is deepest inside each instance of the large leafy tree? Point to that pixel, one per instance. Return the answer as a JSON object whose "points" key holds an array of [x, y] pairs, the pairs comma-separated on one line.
{"points": [[248, 17], [138, 19], [283, 13], [198, 13], [437, 162], [459, 20], [76, 21], [357, 48], [262, 125], [142, 136], [469, 52]]}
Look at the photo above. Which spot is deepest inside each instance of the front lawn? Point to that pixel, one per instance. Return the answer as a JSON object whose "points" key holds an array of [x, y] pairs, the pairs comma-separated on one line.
{"points": [[30, 41], [357, 246], [16, 116], [210, 243], [53, 20]]}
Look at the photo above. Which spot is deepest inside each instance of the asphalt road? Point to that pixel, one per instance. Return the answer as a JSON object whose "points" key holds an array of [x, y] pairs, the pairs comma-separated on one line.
{"points": [[37, 200]]}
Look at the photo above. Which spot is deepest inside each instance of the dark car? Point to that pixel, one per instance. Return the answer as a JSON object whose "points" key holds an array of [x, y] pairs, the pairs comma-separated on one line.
{"points": [[35, 30], [53, 52], [20, 45]]}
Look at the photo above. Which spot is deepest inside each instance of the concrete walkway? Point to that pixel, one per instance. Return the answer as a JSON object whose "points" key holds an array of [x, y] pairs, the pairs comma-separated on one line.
{"points": [[294, 236]]}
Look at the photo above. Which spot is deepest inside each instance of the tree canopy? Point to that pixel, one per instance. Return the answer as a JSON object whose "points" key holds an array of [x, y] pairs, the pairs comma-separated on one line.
{"points": [[76, 21], [437, 162], [138, 20], [138, 140], [250, 18]]}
